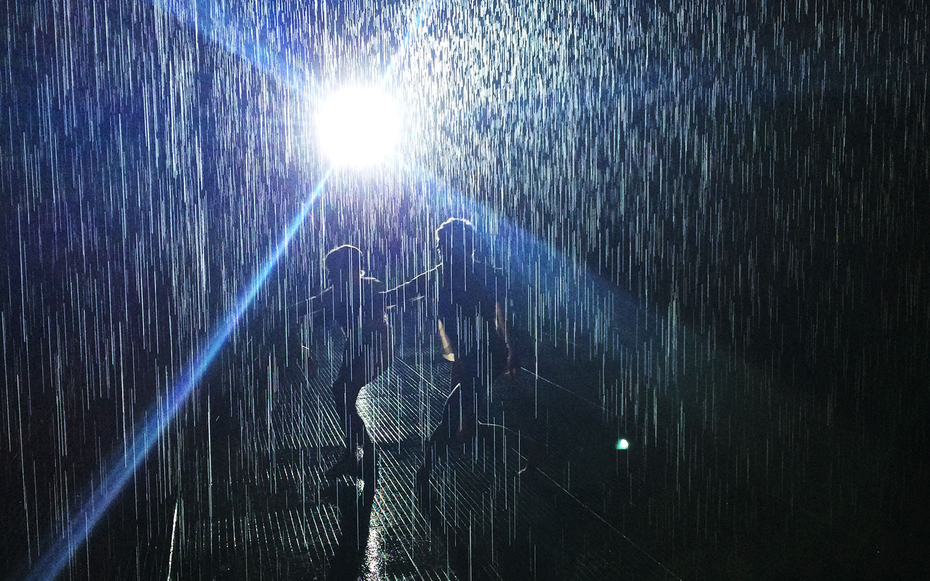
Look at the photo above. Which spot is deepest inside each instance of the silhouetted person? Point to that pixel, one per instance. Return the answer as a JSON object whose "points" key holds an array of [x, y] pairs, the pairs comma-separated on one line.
{"points": [[356, 303], [471, 302]]}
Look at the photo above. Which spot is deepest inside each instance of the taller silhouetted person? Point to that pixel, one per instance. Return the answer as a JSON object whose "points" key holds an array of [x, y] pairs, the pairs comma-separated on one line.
{"points": [[471, 302]]}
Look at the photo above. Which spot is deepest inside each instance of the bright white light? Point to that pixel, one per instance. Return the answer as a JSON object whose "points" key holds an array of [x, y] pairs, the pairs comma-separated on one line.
{"points": [[358, 126], [623, 444]]}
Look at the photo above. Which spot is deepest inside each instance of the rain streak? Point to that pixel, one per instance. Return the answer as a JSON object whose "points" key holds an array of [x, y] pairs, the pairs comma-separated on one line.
{"points": [[677, 328]]}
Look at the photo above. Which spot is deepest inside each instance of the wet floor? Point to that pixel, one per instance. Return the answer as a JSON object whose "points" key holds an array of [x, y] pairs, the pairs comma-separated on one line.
{"points": [[278, 516], [767, 490]]}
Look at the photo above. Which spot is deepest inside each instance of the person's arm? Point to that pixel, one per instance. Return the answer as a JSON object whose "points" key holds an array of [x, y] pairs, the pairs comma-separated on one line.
{"points": [[410, 290], [504, 330], [500, 323]]}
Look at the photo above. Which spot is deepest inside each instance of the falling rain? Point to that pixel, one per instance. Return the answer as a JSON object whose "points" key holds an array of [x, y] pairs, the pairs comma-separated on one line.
{"points": [[701, 234]]}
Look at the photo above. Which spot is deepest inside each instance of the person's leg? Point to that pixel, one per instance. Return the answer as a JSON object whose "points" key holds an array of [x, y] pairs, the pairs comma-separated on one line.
{"points": [[448, 428], [364, 367], [345, 391], [463, 410], [459, 419], [438, 441], [367, 367]]}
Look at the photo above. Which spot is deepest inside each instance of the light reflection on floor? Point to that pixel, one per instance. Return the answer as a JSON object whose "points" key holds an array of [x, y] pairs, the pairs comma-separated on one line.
{"points": [[373, 552]]}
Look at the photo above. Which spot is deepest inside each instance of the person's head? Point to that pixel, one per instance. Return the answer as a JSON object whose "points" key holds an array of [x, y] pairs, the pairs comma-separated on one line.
{"points": [[344, 263], [455, 240]]}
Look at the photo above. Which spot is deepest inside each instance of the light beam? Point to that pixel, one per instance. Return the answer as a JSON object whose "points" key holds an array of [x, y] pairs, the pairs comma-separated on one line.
{"points": [[121, 468]]}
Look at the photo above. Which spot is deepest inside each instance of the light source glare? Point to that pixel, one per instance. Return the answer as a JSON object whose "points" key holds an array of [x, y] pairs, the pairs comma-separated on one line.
{"points": [[358, 126]]}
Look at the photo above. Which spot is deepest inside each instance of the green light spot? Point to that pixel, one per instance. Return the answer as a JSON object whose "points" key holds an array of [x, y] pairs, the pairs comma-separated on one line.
{"points": [[623, 444]]}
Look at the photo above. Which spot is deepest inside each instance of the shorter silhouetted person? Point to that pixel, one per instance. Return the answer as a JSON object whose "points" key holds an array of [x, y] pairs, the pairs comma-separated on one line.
{"points": [[356, 303], [471, 303]]}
